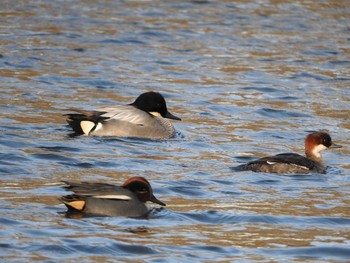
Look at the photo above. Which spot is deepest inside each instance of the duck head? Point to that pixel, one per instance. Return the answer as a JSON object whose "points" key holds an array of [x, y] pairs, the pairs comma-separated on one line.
{"points": [[153, 103], [142, 189]]}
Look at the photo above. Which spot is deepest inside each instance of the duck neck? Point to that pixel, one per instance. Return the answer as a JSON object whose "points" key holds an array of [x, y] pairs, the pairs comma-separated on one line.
{"points": [[315, 156]]}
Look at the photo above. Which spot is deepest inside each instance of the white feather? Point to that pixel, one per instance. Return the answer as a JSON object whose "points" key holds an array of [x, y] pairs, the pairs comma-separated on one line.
{"points": [[119, 197], [98, 126], [87, 126], [300, 166]]}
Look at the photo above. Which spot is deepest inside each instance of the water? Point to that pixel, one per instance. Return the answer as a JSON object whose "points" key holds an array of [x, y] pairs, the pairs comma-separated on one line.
{"points": [[247, 79]]}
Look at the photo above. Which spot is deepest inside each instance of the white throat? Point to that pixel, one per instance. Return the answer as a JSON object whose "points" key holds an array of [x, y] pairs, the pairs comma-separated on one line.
{"points": [[319, 148], [156, 114]]}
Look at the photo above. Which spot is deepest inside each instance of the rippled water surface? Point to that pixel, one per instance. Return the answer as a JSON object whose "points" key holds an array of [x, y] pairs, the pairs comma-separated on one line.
{"points": [[248, 78]]}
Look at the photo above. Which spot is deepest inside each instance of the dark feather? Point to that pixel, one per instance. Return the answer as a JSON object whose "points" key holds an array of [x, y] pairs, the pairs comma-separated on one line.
{"points": [[74, 119]]}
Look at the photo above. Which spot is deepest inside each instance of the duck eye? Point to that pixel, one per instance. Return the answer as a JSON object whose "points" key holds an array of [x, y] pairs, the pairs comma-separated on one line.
{"points": [[142, 192], [327, 142]]}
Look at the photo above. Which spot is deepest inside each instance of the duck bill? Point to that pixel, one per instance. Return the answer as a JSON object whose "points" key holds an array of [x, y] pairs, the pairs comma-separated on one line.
{"points": [[335, 146], [171, 116], [155, 200]]}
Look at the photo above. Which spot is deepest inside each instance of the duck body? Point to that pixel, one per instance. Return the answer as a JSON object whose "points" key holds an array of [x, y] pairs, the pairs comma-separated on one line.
{"points": [[284, 163], [292, 163], [100, 199], [146, 117]]}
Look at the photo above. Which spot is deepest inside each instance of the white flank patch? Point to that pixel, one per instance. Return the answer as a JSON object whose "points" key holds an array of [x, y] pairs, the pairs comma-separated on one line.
{"points": [[319, 148], [87, 126], [300, 166], [119, 197], [269, 162], [156, 114], [98, 126]]}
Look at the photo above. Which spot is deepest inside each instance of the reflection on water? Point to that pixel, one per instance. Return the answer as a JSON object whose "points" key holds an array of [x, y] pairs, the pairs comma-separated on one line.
{"points": [[248, 80]]}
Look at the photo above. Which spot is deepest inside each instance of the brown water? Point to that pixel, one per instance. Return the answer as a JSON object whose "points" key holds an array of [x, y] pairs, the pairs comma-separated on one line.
{"points": [[248, 79]]}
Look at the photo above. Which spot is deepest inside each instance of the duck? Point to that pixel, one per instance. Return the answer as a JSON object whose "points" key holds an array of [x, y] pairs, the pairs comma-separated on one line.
{"points": [[293, 163], [102, 199], [146, 117]]}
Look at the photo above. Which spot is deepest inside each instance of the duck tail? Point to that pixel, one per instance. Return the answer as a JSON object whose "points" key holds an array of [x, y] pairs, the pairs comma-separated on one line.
{"points": [[84, 122], [73, 202], [240, 168]]}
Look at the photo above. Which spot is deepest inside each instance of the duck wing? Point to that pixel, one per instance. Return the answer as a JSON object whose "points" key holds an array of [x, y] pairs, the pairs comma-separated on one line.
{"points": [[86, 122], [98, 190], [125, 113], [288, 158]]}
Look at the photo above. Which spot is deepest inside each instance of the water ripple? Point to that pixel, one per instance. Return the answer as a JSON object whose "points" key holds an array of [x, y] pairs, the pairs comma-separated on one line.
{"points": [[243, 92]]}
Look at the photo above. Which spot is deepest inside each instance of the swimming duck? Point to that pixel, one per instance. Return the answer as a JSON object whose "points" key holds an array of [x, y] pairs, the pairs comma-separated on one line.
{"points": [[292, 163], [145, 117], [100, 199]]}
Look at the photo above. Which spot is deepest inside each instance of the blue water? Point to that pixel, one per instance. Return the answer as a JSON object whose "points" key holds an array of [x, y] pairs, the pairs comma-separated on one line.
{"points": [[247, 79]]}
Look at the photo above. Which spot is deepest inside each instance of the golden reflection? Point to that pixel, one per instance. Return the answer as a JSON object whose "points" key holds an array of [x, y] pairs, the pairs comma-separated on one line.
{"points": [[333, 113], [8, 13], [314, 203], [234, 69], [249, 235], [24, 74]]}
